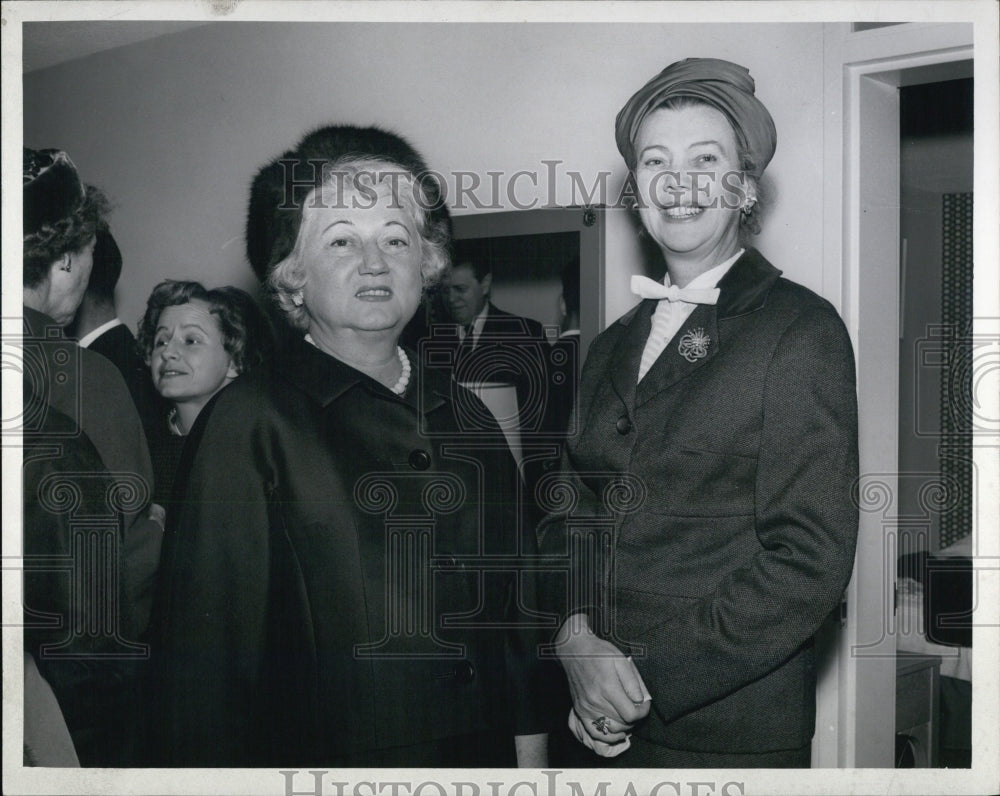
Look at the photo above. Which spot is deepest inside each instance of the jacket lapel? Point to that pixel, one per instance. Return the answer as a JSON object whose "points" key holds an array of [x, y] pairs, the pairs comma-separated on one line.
{"points": [[696, 343], [742, 290], [627, 354]]}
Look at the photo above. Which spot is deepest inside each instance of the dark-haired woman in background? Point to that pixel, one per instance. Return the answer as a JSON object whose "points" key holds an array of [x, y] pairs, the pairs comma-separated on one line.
{"points": [[725, 403], [196, 341]]}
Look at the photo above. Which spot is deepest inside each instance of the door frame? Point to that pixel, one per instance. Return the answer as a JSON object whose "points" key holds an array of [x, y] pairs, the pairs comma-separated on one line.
{"points": [[862, 71]]}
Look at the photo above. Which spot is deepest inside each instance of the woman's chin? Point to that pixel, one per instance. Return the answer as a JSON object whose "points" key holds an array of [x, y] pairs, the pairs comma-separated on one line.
{"points": [[387, 325]]}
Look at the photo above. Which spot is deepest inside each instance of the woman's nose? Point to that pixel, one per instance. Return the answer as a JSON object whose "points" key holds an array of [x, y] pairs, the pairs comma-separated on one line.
{"points": [[671, 180], [373, 261], [169, 350]]}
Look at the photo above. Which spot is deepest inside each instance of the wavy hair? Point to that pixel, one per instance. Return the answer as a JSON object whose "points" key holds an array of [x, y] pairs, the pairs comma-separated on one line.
{"points": [[68, 235], [247, 335], [287, 278]]}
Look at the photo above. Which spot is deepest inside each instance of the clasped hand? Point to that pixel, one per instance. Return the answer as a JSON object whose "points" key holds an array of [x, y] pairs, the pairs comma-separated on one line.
{"points": [[603, 682]]}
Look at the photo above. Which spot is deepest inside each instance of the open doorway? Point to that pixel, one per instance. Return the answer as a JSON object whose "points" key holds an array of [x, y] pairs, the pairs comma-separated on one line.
{"points": [[934, 575], [866, 71]]}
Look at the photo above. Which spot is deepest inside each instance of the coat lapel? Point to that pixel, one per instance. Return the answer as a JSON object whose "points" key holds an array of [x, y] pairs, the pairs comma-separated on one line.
{"points": [[695, 344], [325, 378], [628, 352], [742, 290]]}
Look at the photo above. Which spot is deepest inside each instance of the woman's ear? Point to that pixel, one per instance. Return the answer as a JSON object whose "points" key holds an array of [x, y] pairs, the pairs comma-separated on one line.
{"points": [[233, 371], [63, 263]]}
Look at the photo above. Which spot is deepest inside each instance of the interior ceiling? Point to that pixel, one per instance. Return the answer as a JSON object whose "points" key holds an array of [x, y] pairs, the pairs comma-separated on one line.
{"points": [[47, 44]]}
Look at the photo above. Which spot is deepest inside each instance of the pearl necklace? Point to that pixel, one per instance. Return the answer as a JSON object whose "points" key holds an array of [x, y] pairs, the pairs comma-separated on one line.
{"points": [[404, 378]]}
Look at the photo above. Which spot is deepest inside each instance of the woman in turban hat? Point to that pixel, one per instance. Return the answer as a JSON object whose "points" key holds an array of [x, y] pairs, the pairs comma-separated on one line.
{"points": [[718, 445]]}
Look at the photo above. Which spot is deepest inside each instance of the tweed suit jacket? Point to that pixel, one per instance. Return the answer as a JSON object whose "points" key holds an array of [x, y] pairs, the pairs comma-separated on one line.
{"points": [[731, 532]]}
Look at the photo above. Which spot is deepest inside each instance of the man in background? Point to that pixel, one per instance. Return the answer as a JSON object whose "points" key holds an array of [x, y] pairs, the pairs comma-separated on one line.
{"points": [[496, 346], [98, 328]]}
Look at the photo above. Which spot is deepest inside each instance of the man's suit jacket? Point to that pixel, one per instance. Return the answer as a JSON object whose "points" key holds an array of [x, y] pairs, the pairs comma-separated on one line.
{"points": [[723, 484], [118, 344], [513, 350]]}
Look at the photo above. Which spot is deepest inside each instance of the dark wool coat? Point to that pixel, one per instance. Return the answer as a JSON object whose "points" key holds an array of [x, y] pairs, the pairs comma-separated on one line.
{"points": [[337, 576], [87, 480], [89, 392], [118, 344], [731, 532]]}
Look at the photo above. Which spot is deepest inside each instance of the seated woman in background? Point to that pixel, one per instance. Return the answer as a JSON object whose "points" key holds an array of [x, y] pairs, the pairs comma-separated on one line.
{"points": [[196, 341]]}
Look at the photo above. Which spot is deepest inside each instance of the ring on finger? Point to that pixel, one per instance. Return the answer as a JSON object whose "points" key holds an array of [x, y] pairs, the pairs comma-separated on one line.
{"points": [[601, 724]]}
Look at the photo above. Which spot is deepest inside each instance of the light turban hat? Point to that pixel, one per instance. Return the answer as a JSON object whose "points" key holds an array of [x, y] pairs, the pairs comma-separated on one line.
{"points": [[723, 85]]}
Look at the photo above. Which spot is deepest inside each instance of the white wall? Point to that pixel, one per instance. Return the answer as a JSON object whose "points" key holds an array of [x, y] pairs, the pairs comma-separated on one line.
{"points": [[174, 128]]}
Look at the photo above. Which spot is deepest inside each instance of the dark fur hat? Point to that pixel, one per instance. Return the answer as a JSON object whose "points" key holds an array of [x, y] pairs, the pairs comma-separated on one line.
{"points": [[280, 188]]}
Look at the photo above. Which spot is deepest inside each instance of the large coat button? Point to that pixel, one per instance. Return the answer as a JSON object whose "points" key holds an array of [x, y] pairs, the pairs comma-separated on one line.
{"points": [[420, 459], [465, 672], [624, 425]]}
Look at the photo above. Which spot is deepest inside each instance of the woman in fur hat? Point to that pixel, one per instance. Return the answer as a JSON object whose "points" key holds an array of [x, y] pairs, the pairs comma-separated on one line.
{"points": [[341, 582]]}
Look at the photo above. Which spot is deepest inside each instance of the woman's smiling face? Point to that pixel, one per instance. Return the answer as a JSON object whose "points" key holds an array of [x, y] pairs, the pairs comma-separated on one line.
{"points": [[189, 362], [690, 185]]}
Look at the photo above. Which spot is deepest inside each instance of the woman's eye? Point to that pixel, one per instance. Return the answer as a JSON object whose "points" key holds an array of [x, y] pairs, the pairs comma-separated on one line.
{"points": [[707, 159], [159, 343], [653, 162], [191, 340], [397, 242], [339, 243]]}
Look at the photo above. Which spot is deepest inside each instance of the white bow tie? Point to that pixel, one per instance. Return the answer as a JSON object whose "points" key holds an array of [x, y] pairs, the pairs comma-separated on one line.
{"points": [[644, 287]]}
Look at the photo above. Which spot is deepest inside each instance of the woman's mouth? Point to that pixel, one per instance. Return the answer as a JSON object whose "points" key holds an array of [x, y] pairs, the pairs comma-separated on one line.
{"points": [[682, 212], [374, 294], [167, 373]]}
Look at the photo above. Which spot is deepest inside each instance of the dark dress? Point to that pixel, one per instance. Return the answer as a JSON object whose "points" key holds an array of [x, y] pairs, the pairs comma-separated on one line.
{"points": [[340, 581], [723, 481]]}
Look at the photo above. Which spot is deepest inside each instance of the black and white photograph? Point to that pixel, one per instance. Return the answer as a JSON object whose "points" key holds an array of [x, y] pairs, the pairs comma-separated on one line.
{"points": [[501, 398]]}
